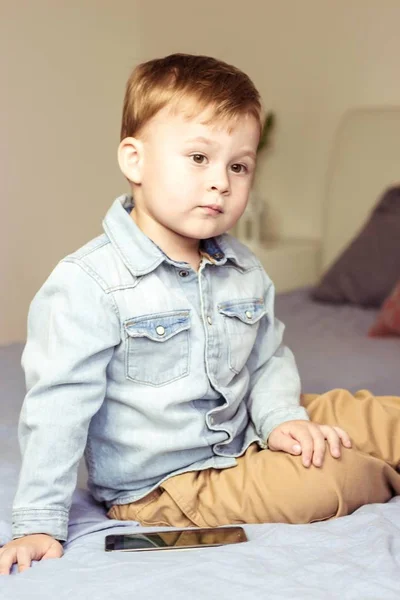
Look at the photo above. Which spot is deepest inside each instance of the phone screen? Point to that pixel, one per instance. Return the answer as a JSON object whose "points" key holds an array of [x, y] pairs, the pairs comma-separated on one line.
{"points": [[177, 538]]}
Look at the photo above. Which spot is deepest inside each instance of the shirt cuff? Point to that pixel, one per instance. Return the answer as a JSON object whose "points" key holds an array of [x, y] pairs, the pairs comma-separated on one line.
{"points": [[49, 521]]}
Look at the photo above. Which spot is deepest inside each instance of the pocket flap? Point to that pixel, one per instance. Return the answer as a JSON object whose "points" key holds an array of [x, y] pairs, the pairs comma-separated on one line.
{"points": [[248, 311], [158, 327]]}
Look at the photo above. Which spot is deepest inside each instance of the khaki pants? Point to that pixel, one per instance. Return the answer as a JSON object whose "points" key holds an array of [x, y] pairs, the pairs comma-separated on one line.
{"points": [[274, 487]]}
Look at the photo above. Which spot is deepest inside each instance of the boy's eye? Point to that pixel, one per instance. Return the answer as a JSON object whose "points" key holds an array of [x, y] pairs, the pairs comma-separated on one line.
{"points": [[198, 158], [238, 168]]}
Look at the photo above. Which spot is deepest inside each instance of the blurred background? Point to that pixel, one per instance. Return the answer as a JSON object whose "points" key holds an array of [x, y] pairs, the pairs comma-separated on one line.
{"points": [[64, 65]]}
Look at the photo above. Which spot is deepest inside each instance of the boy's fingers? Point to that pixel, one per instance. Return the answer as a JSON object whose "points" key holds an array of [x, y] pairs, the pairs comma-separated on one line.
{"points": [[319, 448], [55, 551], [303, 438], [24, 559], [334, 442], [344, 437], [285, 443], [23, 552], [7, 559], [335, 437], [310, 442]]}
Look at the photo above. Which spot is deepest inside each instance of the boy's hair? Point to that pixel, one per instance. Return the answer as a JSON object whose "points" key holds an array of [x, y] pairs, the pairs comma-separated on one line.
{"points": [[200, 80]]}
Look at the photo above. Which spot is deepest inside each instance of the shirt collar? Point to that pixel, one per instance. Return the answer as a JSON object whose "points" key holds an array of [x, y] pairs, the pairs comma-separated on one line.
{"points": [[140, 254]]}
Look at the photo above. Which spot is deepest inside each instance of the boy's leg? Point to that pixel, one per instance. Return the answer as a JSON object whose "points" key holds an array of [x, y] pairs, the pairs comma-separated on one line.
{"points": [[373, 422], [267, 487], [274, 487], [270, 486], [157, 509]]}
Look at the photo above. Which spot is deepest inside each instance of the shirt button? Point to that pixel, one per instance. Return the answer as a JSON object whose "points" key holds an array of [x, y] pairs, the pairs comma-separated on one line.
{"points": [[183, 273], [248, 314], [209, 320], [212, 421], [160, 330]]}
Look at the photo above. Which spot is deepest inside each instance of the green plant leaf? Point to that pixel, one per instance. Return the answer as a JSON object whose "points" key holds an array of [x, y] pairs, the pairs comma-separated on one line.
{"points": [[268, 127]]}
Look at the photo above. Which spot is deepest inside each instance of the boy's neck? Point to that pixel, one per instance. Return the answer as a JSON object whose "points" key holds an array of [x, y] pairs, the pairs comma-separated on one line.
{"points": [[174, 246]]}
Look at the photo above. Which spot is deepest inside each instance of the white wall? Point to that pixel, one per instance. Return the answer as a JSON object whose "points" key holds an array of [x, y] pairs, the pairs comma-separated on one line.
{"points": [[66, 63]]}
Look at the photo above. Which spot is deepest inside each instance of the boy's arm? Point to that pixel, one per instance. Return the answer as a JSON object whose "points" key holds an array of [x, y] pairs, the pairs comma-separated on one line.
{"points": [[274, 390], [72, 329]]}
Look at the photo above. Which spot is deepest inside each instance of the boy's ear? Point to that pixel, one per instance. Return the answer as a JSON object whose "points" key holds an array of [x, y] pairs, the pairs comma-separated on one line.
{"points": [[130, 158]]}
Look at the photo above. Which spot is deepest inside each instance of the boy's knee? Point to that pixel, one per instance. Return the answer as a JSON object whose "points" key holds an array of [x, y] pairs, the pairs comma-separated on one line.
{"points": [[336, 489], [326, 489], [355, 479], [301, 495]]}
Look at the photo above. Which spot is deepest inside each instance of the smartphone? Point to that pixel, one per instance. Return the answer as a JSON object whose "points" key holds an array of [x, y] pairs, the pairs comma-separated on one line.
{"points": [[176, 539]]}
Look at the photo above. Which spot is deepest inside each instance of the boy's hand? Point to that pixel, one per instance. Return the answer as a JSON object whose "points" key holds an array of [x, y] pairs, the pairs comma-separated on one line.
{"points": [[308, 439], [26, 549]]}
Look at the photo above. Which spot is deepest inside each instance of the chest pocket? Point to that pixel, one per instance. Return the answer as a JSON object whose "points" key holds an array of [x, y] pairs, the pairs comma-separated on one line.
{"points": [[157, 347], [241, 322]]}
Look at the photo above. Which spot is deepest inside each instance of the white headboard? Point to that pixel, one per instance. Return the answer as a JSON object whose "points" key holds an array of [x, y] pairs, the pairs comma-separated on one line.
{"points": [[365, 159]]}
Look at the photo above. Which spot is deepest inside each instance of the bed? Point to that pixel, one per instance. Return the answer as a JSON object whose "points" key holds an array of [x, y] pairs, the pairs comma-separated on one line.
{"points": [[353, 557]]}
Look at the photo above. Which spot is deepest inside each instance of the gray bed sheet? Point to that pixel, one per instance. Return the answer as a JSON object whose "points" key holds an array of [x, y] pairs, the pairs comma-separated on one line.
{"points": [[332, 348], [355, 557]]}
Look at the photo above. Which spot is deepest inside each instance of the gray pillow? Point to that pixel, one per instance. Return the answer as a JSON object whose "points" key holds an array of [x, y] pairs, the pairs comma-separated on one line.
{"points": [[368, 269]]}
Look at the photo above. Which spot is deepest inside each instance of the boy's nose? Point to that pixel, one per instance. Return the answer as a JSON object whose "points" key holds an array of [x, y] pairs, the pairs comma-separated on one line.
{"points": [[220, 183]]}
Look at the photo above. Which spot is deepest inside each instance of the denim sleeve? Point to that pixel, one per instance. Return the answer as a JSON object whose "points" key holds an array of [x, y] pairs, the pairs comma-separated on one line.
{"points": [[274, 395], [73, 327]]}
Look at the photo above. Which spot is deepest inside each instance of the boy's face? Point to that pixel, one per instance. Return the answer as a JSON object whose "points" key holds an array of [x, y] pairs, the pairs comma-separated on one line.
{"points": [[192, 180]]}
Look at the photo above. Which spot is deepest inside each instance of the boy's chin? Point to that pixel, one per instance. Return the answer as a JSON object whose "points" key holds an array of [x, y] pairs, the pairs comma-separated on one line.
{"points": [[205, 233], [201, 231]]}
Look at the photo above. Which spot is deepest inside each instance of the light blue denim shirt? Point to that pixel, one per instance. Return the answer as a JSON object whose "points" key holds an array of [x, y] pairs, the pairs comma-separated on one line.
{"points": [[150, 368]]}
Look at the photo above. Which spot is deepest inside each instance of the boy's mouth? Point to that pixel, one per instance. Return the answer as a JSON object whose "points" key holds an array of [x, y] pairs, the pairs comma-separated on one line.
{"points": [[212, 209]]}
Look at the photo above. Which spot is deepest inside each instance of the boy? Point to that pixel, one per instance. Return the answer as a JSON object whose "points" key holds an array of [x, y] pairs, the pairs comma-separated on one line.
{"points": [[155, 347]]}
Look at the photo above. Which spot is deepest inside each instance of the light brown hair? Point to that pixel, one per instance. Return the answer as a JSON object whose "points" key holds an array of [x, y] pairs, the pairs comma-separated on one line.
{"points": [[200, 81]]}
